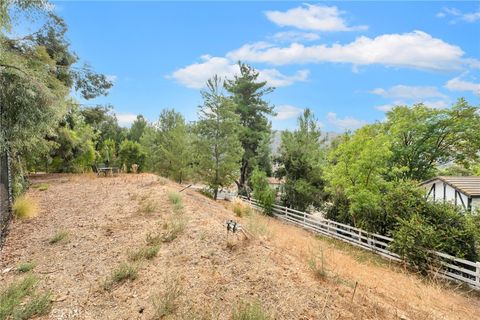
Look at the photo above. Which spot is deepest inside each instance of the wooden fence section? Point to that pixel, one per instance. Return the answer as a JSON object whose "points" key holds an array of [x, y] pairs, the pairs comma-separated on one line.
{"points": [[452, 268]]}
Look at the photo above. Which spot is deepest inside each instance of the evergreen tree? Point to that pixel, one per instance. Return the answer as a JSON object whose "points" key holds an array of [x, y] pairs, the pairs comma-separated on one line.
{"points": [[218, 148], [248, 96]]}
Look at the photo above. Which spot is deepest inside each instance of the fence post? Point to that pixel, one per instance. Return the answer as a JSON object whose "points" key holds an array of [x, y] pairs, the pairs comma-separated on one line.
{"points": [[478, 274]]}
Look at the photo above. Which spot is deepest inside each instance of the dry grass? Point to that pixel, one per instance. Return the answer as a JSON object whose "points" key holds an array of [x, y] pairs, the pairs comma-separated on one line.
{"points": [[61, 236], [240, 208], [166, 302], [146, 253], [250, 311], [174, 227], [176, 200], [147, 206], [25, 207], [316, 263]]}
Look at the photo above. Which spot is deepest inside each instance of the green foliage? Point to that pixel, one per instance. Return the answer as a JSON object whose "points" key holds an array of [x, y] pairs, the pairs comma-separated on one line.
{"points": [[168, 146], [147, 253], [218, 149], [439, 227], [131, 152], [301, 161], [262, 191], [20, 300], [250, 311], [423, 138], [59, 236], [248, 97], [137, 128]]}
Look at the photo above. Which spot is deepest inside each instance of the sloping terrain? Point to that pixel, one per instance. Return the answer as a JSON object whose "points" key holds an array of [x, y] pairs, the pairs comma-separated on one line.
{"points": [[292, 273]]}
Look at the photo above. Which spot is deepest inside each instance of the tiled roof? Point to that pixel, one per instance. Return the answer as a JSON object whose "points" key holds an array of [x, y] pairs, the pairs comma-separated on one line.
{"points": [[470, 185]]}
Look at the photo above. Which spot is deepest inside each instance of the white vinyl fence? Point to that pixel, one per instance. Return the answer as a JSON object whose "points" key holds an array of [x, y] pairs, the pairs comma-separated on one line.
{"points": [[452, 268]]}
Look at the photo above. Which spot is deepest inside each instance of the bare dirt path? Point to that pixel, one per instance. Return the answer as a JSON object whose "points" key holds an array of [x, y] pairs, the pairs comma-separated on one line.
{"points": [[106, 219]]}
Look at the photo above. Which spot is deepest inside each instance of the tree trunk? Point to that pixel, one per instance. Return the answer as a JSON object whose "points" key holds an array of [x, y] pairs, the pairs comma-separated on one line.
{"points": [[215, 193]]}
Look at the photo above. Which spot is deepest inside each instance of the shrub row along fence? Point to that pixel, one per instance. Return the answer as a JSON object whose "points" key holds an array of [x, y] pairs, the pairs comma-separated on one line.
{"points": [[452, 268]]}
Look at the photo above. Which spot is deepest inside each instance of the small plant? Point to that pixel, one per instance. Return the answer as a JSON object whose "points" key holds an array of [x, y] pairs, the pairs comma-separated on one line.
{"points": [[316, 263], [60, 236], [250, 311], [257, 226], [165, 303], [206, 192], [147, 253], [41, 186], [153, 239], [240, 208], [175, 199], [174, 228], [148, 206], [20, 300], [25, 207], [25, 267], [123, 273]]}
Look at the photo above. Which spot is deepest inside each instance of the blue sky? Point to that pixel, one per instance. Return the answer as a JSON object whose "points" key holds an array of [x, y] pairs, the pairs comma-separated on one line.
{"points": [[348, 61]]}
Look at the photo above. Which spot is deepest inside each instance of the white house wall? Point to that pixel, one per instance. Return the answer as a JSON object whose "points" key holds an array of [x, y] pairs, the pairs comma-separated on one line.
{"points": [[449, 193], [475, 203]]}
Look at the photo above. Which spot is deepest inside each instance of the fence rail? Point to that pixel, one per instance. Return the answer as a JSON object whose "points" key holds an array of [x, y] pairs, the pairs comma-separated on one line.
{"points": [[452, 268]]}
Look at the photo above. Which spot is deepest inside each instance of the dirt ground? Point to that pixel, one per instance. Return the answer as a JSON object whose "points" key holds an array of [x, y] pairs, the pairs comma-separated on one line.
{"points": [[105, 222]]}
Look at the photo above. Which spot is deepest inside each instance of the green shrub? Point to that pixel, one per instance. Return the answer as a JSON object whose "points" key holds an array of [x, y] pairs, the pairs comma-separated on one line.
{"points": [[250, 311], [25, 267], [262, 191], [20, 300], [131, 152], [440, 227], [41, 186]]}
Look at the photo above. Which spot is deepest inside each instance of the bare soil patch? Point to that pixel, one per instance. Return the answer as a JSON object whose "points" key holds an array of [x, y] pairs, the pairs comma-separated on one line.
{"points": [[103, 221]]}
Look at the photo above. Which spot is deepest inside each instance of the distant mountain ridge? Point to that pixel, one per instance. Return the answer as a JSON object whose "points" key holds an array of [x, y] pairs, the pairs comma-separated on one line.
{"points": [[329, 136]]}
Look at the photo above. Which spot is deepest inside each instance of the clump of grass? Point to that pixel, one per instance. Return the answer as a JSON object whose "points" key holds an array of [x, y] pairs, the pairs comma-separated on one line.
{"points": [[165, 303], [148, 206], [123, 273], [240, 208], [59, 236], [146, 253], [316, 263], [153, 239], [250, 311], [257, 226], [174, 227], [25, 267], [25, 207], [177, 201], [20, 300], [41, 186], [206, 192]]}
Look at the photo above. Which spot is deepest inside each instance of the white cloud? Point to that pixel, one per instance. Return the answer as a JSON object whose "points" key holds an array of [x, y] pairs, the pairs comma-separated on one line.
{"points": [[437, 104], [409, 92], [294, 36], [285, 112], [125, 119], [457, 84], [416, 49], [385, 107], [457, 15], [312, 17], [347, 123], [195, 75]]}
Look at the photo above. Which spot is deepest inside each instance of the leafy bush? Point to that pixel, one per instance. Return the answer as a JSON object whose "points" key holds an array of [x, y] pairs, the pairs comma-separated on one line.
{"points": [[25, 207], [262, 190], [440, 227], [131, 152]]}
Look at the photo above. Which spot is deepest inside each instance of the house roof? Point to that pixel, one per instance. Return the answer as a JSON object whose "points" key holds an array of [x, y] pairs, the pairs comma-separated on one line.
{"points": [[470, 185]]}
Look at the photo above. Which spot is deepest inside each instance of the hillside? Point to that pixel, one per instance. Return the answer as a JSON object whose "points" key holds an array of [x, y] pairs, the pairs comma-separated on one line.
{"points": [[106, 220]]}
